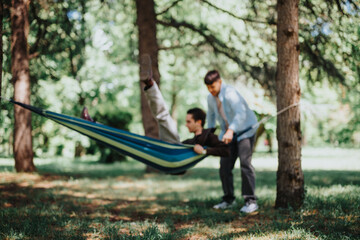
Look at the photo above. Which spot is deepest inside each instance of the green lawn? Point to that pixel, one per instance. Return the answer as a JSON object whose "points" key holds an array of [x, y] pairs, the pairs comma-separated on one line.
{"points": [[82, 199]]}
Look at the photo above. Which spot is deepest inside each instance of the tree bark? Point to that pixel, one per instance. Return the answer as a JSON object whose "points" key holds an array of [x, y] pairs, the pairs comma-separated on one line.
{"points": [[23, 152], [146, 23], [1, 45], [290, 178]]}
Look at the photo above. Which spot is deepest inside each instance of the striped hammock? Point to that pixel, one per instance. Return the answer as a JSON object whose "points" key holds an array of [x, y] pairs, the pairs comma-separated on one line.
{"points": [[164, 156]]}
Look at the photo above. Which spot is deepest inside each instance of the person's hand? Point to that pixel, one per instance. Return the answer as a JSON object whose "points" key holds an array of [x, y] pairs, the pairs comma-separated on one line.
{"points": [[198, 149], [228, 136]]}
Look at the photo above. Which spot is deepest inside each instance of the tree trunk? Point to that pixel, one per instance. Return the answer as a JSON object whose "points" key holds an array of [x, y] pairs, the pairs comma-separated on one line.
{"points": [[23, 152], [173, 108], [290, 178], [146, 22], [1, 45]]}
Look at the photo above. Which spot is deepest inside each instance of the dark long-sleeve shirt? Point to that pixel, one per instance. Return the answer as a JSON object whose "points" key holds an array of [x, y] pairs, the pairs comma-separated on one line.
{"points": [[212, 143]]}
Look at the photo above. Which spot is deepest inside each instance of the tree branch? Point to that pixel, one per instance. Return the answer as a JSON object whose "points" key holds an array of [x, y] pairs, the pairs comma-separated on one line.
{"points": [[237, 17], [318, 60], [168, 8], [40, 35], [357, 7], [182, 46], [265, 75], [33, 55]]}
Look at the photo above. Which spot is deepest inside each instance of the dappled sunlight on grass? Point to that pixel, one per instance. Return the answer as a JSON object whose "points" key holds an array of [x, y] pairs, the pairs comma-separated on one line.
{"points": [[86, 200]]}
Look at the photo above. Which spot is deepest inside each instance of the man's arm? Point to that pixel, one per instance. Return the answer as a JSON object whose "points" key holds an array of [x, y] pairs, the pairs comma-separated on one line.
{"points": [[210, 116], [215, 147]]}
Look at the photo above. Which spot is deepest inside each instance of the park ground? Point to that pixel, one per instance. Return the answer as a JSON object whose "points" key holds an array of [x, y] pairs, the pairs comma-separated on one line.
{"points": [[82, 199]]}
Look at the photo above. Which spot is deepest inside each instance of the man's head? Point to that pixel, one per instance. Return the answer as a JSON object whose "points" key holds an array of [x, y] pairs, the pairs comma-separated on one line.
{"points": [[213, 82], [195, 120]]}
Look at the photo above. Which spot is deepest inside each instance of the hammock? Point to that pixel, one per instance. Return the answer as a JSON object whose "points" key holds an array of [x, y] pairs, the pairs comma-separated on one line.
{"points": [[164, 156]]}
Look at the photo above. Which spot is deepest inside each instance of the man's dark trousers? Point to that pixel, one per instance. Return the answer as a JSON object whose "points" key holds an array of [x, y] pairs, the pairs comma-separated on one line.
{"points": [[243, 150]]}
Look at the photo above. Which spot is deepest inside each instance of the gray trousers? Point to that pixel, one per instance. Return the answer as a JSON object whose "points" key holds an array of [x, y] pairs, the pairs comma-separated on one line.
{"points": [[167, 126], [243, 150]]}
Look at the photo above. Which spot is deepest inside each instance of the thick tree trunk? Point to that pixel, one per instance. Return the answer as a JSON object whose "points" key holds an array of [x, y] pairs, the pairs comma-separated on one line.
{"points": [[23, 152], [146, 22], [290, 178], [174, 106], [1, 44]]}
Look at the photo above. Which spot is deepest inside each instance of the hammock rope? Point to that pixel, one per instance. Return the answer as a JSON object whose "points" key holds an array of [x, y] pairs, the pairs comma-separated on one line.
{"points": [[265, 119]]}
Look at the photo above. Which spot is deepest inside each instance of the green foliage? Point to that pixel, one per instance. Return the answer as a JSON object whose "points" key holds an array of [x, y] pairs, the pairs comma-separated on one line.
{"points": [[348, 132], [331, 55], [57, 38], [56, 43]]}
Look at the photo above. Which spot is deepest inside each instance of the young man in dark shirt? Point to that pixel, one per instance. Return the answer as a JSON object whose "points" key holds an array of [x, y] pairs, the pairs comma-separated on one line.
{"points": [[195, 120], [204, 141]]}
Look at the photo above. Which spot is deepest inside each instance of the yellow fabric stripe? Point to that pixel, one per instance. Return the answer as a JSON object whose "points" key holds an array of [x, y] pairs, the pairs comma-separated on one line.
{"points": [[171, 146], [129, 149]]}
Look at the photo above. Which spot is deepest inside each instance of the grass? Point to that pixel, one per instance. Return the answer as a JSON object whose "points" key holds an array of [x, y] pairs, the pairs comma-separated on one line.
{"points": [[82, 199]]}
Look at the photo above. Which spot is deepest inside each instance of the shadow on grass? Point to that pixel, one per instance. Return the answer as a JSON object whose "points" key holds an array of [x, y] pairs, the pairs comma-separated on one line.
{"points": [[67, 211], [34, 212], [28, 212]]}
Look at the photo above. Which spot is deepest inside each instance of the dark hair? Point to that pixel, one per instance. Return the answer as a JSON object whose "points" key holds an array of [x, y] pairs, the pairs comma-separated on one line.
{"points": [[198, 114], [211, 77]]}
